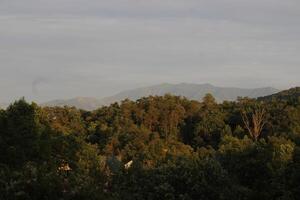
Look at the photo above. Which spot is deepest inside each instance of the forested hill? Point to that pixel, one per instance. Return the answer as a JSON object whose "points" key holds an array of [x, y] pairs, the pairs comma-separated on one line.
{"points": [[190, 91], [156, 148], [287, 95]]}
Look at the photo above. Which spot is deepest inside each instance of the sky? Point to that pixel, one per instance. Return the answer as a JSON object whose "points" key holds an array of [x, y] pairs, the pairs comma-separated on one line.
{"points": [[57, 49]]}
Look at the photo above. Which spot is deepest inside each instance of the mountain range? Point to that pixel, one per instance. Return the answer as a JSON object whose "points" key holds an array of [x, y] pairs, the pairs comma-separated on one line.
{"points": [[190, 91]]}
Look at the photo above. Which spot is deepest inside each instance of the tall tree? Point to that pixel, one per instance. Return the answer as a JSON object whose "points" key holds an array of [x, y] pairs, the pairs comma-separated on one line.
{"points": [[254, 120]]}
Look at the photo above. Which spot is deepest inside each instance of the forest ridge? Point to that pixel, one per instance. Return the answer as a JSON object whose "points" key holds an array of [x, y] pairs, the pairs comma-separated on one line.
{"points": [[157, 147]]}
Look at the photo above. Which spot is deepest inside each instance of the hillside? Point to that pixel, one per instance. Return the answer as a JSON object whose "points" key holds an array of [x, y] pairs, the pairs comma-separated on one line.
{"points": [[292, 94], [190, 91], [163, 147]]}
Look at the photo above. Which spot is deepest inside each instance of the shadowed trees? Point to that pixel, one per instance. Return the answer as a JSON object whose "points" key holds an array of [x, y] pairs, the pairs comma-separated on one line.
{"points": [[177, 149]]}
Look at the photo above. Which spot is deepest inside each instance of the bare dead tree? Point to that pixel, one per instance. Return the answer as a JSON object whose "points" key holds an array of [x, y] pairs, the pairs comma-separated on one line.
{"points": [[256, 122]]}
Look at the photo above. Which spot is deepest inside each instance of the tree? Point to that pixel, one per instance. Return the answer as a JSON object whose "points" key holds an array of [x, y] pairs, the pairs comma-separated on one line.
{"points": [[176, 148], [209, 125], [256, 122]]}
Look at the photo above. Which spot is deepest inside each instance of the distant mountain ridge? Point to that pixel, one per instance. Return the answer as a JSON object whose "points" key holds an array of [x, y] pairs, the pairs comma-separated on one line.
{"points": [[190, 91], [85, 103]]}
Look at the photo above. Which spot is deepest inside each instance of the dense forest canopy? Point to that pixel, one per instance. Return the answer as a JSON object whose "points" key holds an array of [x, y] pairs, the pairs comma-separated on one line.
{"points": [[158, 147]]}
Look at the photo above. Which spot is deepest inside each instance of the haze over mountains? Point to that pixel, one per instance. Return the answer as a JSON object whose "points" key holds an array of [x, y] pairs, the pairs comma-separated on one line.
{"points": [[190, 91], [3, 105]]}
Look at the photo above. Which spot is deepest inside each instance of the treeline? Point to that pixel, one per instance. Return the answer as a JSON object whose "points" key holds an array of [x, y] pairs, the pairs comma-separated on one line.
{"points": [[155, 148]]}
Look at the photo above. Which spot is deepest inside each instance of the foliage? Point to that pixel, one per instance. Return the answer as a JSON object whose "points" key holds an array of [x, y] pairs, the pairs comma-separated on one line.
{"points": [[158, 147]]}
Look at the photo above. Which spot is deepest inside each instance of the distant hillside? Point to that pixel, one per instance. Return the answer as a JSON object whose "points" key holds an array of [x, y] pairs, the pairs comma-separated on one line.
{"points": [[85, 103], [191, 91], [292, 94]]}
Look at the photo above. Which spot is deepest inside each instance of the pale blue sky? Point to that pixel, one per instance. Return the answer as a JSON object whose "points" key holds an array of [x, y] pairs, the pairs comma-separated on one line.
{"points": [[65, 48]]}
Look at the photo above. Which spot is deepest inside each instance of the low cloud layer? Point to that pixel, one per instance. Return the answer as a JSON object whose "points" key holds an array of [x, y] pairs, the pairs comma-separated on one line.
{"points": [[66, 48]]}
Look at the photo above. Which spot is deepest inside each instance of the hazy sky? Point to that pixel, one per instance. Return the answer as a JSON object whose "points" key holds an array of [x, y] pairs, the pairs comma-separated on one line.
{"points": [[65, 48]]}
